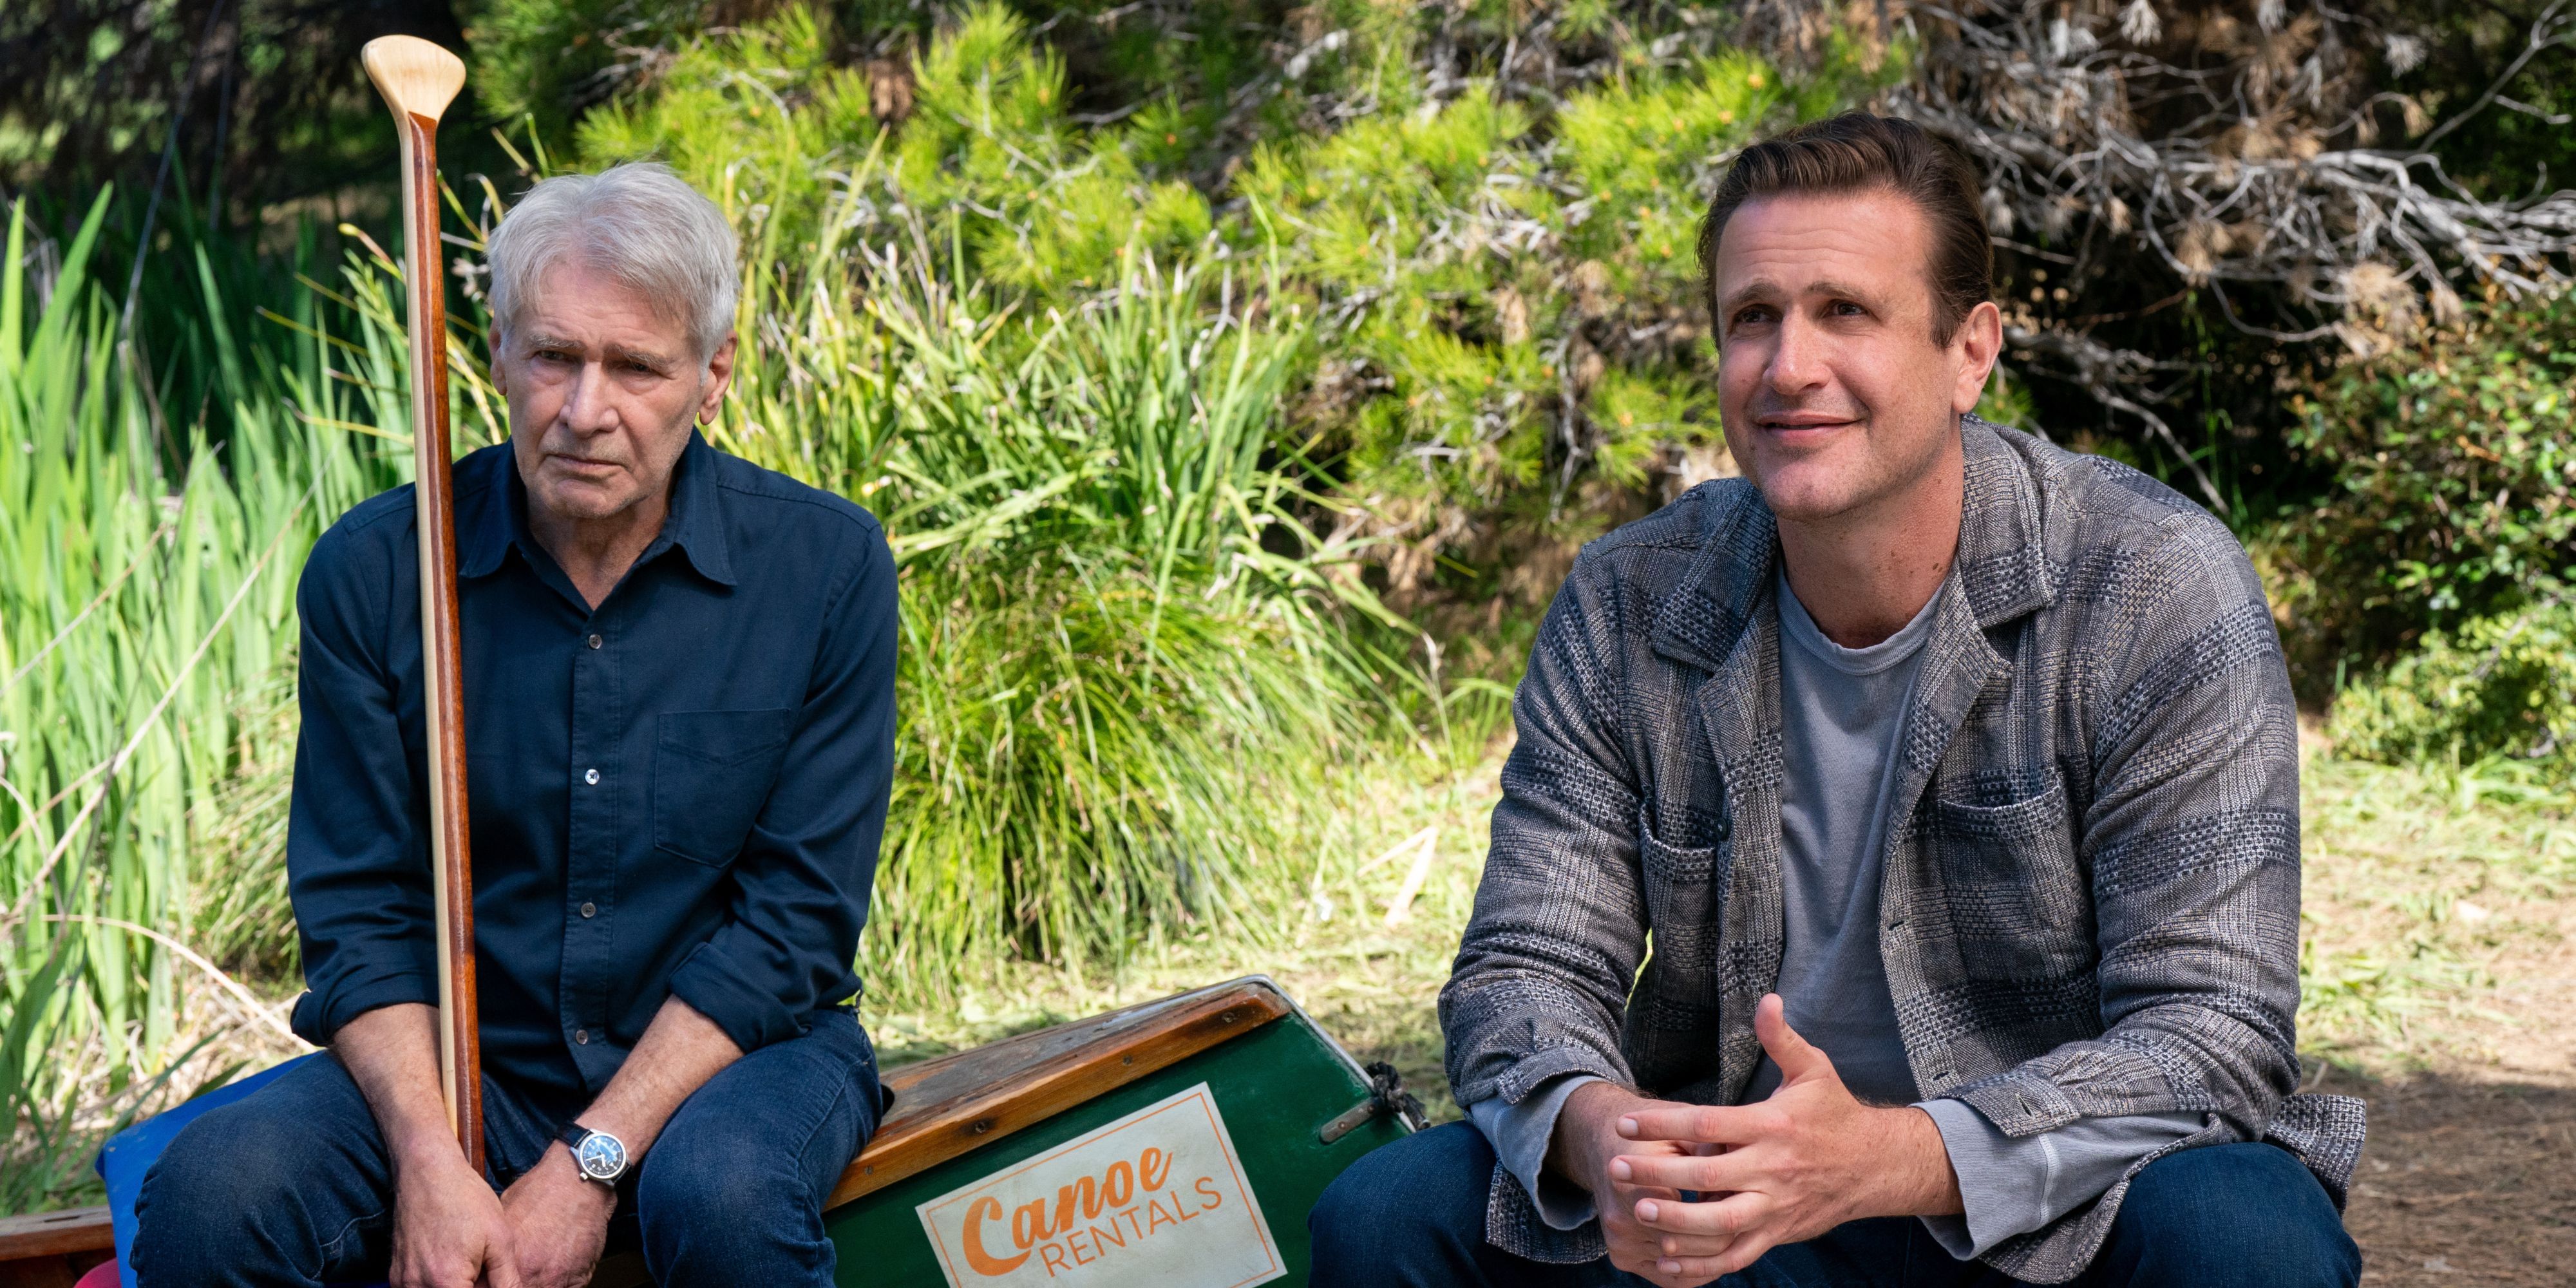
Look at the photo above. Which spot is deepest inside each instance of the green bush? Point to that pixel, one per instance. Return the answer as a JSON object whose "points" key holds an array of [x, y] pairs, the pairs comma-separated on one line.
{"points": [[2499, 688], [1488, 273], [766, 119], [552, 58], [2450, 494]]}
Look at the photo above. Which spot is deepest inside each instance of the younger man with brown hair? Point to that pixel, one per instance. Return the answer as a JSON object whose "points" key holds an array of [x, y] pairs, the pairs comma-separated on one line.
{"points": [[1897, 877]]}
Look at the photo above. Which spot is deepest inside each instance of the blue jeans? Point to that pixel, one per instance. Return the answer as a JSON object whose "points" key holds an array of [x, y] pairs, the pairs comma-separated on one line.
{"points": [[291, 1185], [2226, 1216]]}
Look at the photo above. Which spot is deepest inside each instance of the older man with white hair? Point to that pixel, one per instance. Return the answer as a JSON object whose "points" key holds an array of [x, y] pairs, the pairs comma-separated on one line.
{"points": [[679, 689]]}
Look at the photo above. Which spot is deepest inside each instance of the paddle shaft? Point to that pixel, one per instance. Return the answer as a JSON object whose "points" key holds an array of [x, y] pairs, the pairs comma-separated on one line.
{"points": [[460, 1063]]}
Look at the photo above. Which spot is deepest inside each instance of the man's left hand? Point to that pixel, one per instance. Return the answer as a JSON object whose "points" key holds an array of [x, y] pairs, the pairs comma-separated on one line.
{"points": [[1790, 1168], [558, 1222]]}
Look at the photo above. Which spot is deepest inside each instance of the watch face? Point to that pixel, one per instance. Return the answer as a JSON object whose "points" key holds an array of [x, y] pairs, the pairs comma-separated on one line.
{"points": [[602, 1156]]}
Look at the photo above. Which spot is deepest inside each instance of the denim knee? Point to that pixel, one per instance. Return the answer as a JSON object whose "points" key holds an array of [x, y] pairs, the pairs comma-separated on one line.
{"points": [[719, 1207], [209, 1189], [721, 1189], [2242, 1214], [239, 1197], [1410, 1212], [226, 1163]]}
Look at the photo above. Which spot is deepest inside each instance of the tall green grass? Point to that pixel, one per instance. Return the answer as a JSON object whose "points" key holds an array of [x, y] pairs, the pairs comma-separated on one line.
{"points": [[1122, 647], [147, 573]]}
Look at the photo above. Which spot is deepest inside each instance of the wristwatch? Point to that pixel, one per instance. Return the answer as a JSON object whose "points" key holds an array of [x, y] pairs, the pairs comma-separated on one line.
{"points": [[600, 1156]]}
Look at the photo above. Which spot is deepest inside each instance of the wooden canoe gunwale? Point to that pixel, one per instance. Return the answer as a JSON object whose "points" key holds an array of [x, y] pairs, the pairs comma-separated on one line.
{"points": [[69, 1232], [948, 1106], [944, 1107]]}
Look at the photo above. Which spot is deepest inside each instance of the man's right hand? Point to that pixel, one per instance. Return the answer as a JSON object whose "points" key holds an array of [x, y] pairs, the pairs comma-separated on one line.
{"points": [[448, 1228], [449, 1231], [1587, 1138]]}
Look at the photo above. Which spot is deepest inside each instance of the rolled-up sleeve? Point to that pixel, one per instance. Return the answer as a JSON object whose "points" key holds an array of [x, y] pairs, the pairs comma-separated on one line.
{"points": [[800, 885], [357, 851], [1521, 1133]]}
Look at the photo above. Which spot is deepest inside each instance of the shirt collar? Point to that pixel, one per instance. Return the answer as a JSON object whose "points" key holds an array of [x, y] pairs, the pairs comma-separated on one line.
{"points": [[492, 514], [696, 523], [2001, 567], [491, 511]]}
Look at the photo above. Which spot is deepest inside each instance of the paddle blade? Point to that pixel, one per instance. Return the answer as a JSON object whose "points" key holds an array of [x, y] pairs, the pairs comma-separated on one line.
{"points": [[415, 76]]}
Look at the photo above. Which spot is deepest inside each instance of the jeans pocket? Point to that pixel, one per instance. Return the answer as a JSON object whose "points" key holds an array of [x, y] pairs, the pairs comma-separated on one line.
{"points": [[864, 1069], [712, 771]]}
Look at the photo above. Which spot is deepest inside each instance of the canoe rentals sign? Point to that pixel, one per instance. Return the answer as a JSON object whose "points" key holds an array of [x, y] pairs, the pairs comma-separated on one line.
{"points": [[1156, 1199]]}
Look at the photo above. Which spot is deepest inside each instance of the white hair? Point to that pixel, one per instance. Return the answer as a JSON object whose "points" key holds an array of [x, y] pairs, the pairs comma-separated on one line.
{"points": [[638, 223]]}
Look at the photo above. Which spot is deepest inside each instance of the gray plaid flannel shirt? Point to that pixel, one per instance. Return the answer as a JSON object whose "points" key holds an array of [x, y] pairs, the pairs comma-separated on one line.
{"points": [[2091, 897]]}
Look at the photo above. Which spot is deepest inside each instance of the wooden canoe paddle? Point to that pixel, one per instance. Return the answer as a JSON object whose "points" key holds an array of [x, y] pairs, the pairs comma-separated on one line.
{"points": [[418, 80]]}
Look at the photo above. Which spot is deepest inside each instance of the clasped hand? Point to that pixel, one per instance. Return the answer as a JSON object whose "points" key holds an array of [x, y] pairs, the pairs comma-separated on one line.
{"points": [[452, 1231], [1786, 1170]]}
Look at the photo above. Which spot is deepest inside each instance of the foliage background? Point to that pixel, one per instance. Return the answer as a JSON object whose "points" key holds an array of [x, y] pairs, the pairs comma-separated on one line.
{"points": [[1238, 380]]}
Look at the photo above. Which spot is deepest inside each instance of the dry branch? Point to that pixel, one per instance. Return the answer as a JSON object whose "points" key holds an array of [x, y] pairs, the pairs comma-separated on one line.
{"points": [[2233, 149]]}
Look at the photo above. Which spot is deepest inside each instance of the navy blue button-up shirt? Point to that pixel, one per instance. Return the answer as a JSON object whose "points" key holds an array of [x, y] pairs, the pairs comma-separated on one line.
{"points": [[679, 793]]}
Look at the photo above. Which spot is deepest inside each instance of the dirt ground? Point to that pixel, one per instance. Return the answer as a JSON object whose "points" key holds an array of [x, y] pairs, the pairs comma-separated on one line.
{"points": [[2470, 1173], [2466, 1180], [2469, 1176]]}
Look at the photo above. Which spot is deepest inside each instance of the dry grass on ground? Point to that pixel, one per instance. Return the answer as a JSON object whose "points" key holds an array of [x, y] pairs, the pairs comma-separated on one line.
{"points": [[2441, 955], [2442, 987], [1369, 979]]}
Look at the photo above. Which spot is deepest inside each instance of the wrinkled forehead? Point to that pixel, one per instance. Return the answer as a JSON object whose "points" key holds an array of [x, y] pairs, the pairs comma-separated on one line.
{"points": [[1871, 245], [576, 301]]}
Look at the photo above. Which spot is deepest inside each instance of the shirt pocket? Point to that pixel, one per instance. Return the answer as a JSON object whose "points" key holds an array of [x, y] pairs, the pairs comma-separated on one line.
{"points": [[1667, 862], [712, 771], [2014, 888], [1680, 883]]}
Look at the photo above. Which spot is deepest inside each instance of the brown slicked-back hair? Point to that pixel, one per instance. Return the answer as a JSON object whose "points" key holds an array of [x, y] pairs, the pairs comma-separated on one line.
{"points": [[1857, 152]]}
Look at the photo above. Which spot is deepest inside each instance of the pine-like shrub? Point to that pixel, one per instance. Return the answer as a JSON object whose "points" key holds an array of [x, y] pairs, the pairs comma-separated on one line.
{"points": [[1507, 333]]}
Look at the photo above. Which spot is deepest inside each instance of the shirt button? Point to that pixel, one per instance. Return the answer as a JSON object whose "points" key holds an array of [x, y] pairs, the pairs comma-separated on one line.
{"points": [[594, 641], [590, 910], [591, 777], [581, 1036]]}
